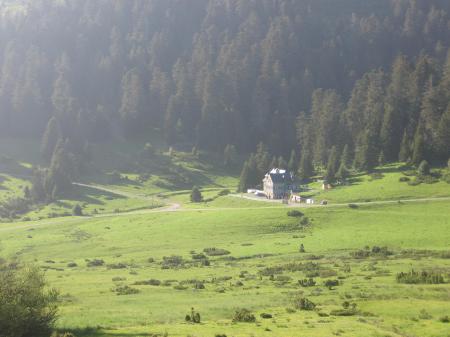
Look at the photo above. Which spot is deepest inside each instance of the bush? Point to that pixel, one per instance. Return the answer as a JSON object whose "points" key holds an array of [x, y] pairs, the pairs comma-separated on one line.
{"points": [[265, 315], [295, 213], [353, 206], [444, 319], [196, 195], [151, 282], [95, 263], [244, 315], [126, 290], [331, 283], [173, 261], [215, 251], [404, 179], [307, 282], [27, 306], [423, 169], [72, 265], [77, 210], [224, 193], [423, 277], [302, 303], [194, 317]]}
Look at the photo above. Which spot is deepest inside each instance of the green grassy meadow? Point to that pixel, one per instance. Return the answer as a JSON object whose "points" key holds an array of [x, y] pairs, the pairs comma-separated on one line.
{"points": [[256, 239], [134, 265]]}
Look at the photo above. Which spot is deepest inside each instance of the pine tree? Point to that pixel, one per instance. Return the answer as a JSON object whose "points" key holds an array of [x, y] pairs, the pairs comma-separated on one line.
{"points": [[346, 159], [196, 195], [244, 179], [443, 135], [273, 163], [419, 146], [229, 155], [332, 165], [366, 157], [282, 163], [292, 165], [305, 169], [423, 169], [342, 172], [405, 149], [381, 159], [51, 136]]}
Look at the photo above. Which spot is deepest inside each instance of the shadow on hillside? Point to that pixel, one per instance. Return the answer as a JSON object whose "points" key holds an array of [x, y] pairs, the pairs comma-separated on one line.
{"points": [[90, 195], [395, 169], [100, 332]]}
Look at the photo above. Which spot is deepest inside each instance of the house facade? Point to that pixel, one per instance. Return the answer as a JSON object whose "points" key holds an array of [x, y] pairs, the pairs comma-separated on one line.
{"points": [[278, 184]]}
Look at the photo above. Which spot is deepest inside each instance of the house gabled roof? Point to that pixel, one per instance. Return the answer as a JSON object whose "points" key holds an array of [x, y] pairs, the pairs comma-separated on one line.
{"points": [[280, 176]]}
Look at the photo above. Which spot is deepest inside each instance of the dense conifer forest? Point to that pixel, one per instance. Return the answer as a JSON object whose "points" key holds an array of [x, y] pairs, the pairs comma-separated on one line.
{"points": [[306, 78]]}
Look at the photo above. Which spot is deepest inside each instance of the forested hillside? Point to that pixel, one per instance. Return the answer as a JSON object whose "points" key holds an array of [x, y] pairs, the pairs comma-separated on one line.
{"points": [[299, 75]]}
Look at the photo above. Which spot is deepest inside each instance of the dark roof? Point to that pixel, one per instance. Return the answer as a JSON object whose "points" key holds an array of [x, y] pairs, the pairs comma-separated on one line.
{"points": [[281, 178]]}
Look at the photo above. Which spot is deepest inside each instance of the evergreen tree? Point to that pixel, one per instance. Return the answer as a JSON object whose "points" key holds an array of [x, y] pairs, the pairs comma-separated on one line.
{"points": [[244, 179], [273, 163], [282, 163], [405, 149], [229, 155], [423, 169], [292, 165], [342, 172], [332, 165], [196, 195], [443, 135], [418, 154], [366, 157], [346, 159], [51, 136], [381, 159], [305, 169]]}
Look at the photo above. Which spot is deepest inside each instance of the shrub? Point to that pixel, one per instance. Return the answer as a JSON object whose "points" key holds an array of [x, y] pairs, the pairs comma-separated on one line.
{"points": [[173, 261], [307, 282], [295, 213], [72, 265], [151, 282], [27, 306], [95, 263], [215, 251], [331, 283], [77, 210], [223, 193], [302, 303], [194, 317], [244, 315], [196, 195], [404, 179], [125, 290], [353, 206], [119, 265], [423, 169], [265, 315], [423, 277], [444, 319]]}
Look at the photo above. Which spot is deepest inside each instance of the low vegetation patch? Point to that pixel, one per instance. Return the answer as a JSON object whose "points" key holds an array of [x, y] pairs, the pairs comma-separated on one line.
{"points": [[422, 277], [244, 316], [215, 251]]}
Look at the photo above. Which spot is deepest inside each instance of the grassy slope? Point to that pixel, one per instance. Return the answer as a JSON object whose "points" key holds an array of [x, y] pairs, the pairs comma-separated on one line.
{"points": [[244, 227], [133, 239]]}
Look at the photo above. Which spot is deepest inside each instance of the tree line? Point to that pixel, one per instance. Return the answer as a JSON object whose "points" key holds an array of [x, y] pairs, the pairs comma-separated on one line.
{"points": [[212, 73]]}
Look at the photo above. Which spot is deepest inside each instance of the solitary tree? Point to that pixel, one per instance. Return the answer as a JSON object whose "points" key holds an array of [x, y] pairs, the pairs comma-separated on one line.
{"points": [[27, 306], [77, 210], [196, 195], [424, 169]]}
